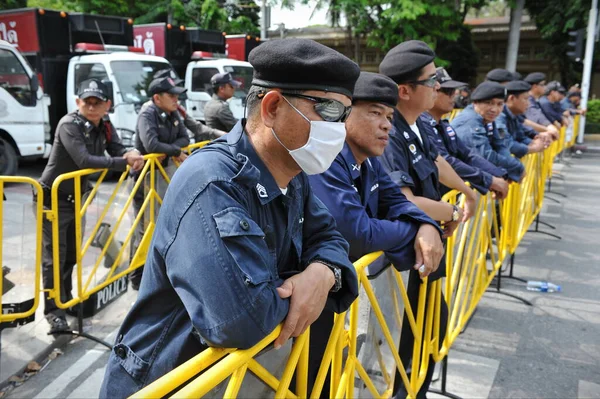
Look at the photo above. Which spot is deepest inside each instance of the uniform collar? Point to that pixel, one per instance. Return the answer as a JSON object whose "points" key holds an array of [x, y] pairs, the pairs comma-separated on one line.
{"points": [[509, 113], [266, 187], [83, 118], [350, 161], [159, 111]]}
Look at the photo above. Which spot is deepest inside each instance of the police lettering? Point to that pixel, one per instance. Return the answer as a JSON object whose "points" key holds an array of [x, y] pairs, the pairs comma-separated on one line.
{"points": [[111, 291]]}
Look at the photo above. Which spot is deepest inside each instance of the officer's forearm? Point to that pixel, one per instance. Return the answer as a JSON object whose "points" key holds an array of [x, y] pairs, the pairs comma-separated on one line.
{"points": [[449, 178], [536, 126], [437, 210]]}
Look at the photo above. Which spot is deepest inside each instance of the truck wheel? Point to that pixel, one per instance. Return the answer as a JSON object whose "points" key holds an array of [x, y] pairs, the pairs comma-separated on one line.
{"points": [[9, 160]]}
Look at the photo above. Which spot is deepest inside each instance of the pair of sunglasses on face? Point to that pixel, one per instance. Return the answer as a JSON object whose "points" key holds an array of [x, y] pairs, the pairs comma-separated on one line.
{"points": [[327, 108]]}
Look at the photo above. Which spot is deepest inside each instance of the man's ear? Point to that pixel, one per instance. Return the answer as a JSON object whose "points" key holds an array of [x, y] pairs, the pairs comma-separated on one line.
{"points": [[78, 101], [269, 107], [108, 104], [404, 92]]}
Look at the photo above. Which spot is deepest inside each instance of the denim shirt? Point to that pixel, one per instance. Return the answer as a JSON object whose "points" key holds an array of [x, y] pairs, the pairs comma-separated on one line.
{"points": [[487, 141], [469, 165], [225, 239], [370, 210], [517, 140]]}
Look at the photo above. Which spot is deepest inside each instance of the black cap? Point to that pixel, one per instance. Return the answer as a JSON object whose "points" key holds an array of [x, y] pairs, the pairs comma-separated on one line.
{"points": [[168, 73], [488, 90], [302, 64], [517, 87], [500, 75], [224, 78], [374, 87], [535, 78], [573, 94], [446, 81], [555, 86], [93, 88], [165, 85], [406, 58]]}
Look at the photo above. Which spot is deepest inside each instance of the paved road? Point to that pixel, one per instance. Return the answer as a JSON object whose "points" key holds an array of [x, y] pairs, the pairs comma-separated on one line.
{"points": [[550, 350]]}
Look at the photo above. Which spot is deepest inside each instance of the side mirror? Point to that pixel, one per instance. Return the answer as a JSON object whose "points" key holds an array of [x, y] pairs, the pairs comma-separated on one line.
{"points": [[35, 85], [111, 94]]}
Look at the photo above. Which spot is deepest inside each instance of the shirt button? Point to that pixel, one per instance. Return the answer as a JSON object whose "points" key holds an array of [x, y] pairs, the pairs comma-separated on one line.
{"points": [[244, 225], [120, 351]]}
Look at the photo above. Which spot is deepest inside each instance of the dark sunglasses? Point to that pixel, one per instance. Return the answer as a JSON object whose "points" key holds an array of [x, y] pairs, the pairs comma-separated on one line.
{"points": [[329, 109], [429, 82], [447, 91]]}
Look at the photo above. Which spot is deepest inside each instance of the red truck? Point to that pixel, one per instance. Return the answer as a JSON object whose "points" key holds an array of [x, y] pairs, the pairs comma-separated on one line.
{"points": [[239, 46], [177, 43]]}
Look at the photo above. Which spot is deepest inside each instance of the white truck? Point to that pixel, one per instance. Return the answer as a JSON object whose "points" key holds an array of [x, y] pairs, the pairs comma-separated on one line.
{"points": [[24, 121], [64, 50]]}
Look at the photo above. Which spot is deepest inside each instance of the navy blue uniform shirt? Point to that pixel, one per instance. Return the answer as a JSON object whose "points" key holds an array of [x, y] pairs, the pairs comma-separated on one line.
{"points": [[411, 163], [487, 141], [469, 165], [370, 210], [517, 140], [225, 239]]}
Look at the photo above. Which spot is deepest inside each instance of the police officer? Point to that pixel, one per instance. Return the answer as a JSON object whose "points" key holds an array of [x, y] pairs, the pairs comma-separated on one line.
{"points": [[369, 208], [516, 104], [470, 166], [159, 130], [80, 141], [199, 131], [413, 163], [476, 128], [550, 103], [243, 244], [217, 113]]}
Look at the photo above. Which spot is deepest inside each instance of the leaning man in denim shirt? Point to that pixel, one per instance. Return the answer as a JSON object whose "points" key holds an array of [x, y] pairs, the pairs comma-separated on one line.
{"points": [[243, 244]]}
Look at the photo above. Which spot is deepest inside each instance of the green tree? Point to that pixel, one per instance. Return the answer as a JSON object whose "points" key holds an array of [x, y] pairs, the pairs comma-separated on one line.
{"points": [[554, 19], [8, 4]]}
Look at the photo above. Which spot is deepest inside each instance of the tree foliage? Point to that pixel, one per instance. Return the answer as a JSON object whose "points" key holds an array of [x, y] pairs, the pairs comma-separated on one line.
{"points": [[240, 16], [554, 19]]}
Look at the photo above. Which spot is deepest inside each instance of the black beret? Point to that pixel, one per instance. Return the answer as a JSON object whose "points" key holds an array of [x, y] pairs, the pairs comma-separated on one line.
{"points": [[517, 87], [302, 64], [376, 88], [406, 58], [488, 90], [517, 76], [573, 94], [535, 78], [499, 75]]}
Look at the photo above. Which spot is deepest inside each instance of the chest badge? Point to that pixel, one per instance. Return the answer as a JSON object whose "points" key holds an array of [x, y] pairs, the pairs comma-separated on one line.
{"points": [[262, 191], [406, 136], [176, 123], [355, 166], [413, 149]]}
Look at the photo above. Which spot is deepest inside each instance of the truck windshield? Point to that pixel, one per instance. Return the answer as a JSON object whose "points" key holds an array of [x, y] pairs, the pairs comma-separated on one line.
{"points": [[133, 78], [242, 74]]}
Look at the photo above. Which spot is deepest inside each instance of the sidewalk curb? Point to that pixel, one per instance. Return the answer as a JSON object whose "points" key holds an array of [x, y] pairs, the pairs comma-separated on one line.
{"points": [[60, 342]]}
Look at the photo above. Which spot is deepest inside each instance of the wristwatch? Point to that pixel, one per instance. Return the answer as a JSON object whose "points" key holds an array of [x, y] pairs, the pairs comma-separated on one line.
{"points": [[455, 213], [337, 273]]}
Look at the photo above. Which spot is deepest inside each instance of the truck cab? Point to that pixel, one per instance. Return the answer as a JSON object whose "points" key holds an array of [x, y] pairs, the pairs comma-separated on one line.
{"points": [[130, 74], [197, 82], [24, 122]]}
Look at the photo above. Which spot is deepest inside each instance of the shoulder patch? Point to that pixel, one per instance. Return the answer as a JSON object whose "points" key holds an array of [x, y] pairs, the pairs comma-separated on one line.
{"points": [[450, 131]]}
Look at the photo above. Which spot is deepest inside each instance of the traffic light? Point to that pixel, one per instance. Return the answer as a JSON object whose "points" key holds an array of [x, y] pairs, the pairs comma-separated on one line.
{"points": [[575, 44]]}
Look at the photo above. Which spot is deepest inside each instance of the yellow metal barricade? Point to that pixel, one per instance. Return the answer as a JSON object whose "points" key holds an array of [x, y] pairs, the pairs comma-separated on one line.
{"points": [[23, 313]]}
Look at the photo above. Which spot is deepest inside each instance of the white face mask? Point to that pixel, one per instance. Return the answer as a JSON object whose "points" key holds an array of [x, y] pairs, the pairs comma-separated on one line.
{"points": [[325, 141]]}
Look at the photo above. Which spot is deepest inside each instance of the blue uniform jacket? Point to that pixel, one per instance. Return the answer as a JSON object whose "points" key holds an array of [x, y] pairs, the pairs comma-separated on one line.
{"points": [[469, 165], [516, 139], [553, 111], [370, 210], [535, 113], [411, 163], [529, 131], [486, 140], [225, 239]]}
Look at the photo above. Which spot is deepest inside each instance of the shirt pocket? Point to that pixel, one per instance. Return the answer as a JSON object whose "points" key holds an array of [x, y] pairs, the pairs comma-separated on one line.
{"points": [[245, 241]]}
